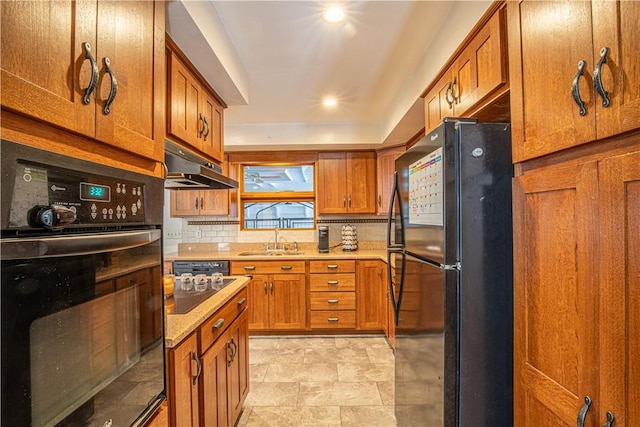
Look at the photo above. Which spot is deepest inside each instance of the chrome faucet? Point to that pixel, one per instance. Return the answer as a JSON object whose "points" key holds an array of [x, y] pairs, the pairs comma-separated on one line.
{"points": [[275, 244]]}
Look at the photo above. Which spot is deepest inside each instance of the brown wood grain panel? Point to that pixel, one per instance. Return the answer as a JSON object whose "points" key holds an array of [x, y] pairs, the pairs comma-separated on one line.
{"points": [[555, 290], [332, 266]]}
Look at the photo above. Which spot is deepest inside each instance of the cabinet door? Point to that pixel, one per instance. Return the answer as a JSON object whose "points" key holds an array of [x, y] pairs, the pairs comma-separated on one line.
{"points": [[361, 182], [185, 203], [214, 202], [44, 70], [555, 295], [215, 383], [184, 99], [212, 112], [385, 168], [619, 191], [135, 119], [287, 308], [480, 69], [238, 370], [542, 66], [615, 27], [183, 394], [332, 183], [258, 306], [438, 102], [370, 295]]}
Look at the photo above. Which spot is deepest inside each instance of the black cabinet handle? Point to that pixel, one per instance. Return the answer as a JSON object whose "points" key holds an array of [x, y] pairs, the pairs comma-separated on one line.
{"points": [[453, 89], [206, 126], [575, 90], [195, 357], [201, 202], [233, 347], [93, 82], [201, 120], [114, 87], [597, 78], [583, 412], [610, 420], [446, 95], [379, 200]]}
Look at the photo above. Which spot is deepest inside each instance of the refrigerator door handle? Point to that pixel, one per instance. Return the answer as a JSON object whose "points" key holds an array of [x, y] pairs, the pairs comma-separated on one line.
{"points": [[394, 193], [395, 304]]}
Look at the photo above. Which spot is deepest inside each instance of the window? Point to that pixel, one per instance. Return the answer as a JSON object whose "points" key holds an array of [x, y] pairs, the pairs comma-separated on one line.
{"points": [[280, 196]]}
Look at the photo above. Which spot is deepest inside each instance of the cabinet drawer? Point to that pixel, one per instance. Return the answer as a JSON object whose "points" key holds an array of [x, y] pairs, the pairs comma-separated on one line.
{"points": [[213, 327], [332, 282], [333, 300], [266, 267], [332, 266], [333, 319]]}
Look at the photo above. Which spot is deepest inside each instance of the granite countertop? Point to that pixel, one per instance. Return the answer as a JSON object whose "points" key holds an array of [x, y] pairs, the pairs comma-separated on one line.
{"points": [[202, 252], [178, 326]]}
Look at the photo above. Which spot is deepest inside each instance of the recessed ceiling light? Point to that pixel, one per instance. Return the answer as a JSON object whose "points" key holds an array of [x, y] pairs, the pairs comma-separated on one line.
{"points": [[330, 102], [333, 14]]}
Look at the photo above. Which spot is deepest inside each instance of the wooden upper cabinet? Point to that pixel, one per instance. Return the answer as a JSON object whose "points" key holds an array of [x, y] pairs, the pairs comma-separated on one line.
{"points": [[476, 73], [195, 116], [199, 203], [386, 166], [46, 69], [346, 182], [615, 26], [184, 98], [544, 68]]}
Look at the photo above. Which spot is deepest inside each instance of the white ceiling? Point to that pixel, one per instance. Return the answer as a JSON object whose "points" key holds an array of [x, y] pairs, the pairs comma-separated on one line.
{"points": [[273, 62]]}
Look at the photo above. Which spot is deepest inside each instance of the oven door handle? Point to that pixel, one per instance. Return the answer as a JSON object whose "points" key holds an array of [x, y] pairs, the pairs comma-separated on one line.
{"points": [[85, 244]]}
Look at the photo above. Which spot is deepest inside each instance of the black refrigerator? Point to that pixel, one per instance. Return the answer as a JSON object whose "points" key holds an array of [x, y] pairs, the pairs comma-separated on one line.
{"points": [[449, 244]]}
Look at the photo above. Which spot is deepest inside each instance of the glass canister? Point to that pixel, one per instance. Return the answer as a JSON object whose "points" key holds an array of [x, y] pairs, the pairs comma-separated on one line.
{"points": [[349, 238]]}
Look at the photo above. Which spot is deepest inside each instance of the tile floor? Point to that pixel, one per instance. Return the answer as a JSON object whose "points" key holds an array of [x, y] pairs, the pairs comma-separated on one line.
{"points": [[335, 381]]}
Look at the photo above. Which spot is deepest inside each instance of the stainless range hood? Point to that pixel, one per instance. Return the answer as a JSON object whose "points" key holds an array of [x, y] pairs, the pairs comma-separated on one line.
{"points": [[188, 171]]}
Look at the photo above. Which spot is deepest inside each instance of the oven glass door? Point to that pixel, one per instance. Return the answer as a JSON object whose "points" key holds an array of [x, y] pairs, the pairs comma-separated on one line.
{"points": [[82, 329]]}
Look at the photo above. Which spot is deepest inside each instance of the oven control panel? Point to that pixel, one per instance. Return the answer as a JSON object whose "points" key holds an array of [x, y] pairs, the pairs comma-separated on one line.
{"points": [[53, 197]]}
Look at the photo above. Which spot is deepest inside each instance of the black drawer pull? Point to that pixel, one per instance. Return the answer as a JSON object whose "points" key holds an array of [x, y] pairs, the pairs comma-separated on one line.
{"points": [[218, 325]]}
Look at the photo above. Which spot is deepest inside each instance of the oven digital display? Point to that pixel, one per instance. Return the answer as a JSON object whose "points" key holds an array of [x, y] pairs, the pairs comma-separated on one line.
{"points": [[94, 192]]}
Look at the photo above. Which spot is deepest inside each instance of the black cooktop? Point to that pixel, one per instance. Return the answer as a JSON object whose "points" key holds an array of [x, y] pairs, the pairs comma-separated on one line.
{"points": [[185, 301]]}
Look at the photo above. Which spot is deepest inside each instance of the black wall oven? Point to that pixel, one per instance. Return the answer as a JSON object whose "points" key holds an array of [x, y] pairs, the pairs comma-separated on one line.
{"points": [[82, 322]]}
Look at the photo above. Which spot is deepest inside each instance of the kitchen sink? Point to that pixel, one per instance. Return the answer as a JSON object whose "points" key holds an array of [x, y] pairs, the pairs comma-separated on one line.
{"points": [[270, 253]]}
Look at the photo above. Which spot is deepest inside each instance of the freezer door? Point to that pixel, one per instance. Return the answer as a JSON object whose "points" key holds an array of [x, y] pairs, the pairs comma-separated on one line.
{"points": [[422, 337], [427, 186]]}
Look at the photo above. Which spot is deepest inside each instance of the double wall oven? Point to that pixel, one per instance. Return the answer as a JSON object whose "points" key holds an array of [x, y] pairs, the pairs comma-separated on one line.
{"points": [[82, 323]]}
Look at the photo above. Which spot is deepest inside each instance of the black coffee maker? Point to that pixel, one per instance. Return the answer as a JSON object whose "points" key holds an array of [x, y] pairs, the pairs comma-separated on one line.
{"points": [[323, 239]]}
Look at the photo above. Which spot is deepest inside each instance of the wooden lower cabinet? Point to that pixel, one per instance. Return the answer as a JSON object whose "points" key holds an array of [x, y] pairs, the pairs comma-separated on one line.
{"points": [[225, 376], [209, 370], [277, 292], [576, 292], [371, 295], [332, 285], [183, 394]]}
